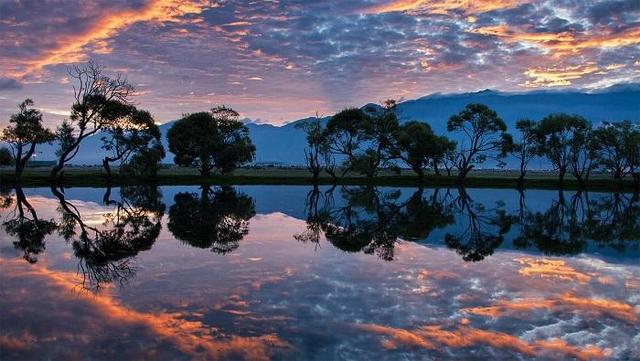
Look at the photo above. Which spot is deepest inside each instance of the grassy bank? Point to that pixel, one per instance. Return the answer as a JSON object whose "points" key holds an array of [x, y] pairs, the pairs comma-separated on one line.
{"points": [[94, 177]]}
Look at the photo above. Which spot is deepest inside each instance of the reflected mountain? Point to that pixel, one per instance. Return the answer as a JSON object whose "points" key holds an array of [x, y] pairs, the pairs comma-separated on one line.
{"points": [[106, 250], [217, 218], [25, 225]]}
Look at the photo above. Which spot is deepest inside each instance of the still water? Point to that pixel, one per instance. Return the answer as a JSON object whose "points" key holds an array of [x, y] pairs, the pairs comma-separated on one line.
{"points": [[292, 272]]}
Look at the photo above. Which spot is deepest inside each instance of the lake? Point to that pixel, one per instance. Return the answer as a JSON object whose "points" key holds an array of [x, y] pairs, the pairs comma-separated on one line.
{"points": [[293, 272]]}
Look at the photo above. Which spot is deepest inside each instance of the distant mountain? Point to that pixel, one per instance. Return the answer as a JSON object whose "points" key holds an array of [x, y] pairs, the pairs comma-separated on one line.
{"points": [[285, 144]]}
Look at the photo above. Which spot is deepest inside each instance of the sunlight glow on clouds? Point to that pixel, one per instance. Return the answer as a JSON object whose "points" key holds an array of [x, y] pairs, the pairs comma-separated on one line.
{"points": [[284, 60]]}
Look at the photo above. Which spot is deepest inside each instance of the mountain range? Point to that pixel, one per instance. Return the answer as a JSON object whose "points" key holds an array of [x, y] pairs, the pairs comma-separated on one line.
{"points": [[285, 144]]}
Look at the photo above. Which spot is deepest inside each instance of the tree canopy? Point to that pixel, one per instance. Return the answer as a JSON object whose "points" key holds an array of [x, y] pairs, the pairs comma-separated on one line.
{"points": [[211, 140]]}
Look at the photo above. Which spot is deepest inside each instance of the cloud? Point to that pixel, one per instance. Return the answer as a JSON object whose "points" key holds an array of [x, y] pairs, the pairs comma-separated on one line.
{"points": [[9, 84], [444, 6], [73, 47]]}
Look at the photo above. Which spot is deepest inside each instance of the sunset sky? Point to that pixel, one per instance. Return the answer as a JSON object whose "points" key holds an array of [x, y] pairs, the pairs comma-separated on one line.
{"points": [[279, 60]]}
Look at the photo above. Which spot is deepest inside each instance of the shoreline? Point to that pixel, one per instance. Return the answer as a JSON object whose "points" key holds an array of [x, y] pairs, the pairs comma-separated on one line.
{"points": [[93, 177]]}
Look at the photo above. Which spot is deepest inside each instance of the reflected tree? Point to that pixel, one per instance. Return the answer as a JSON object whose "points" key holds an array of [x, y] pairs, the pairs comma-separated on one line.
{"points": [[29, 230], [482, 229], [218, 218], [107, 250], [370, 220]]}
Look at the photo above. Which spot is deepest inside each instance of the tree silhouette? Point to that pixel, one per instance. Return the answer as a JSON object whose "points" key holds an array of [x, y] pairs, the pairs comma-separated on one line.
{"points": [[484, 135], [96, 96], [130, 134], [418, 147], [526, 148], [211, 140], [217, 219], [23, 133], [555, 138], [363, 137], [29, 230]]}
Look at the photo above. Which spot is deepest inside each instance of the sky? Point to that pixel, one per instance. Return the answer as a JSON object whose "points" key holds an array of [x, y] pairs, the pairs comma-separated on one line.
{"points": [[276, 61]]}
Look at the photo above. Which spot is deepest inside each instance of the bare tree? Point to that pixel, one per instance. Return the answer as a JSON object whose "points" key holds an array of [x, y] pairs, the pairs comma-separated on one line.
{"points": [[95, 97]]}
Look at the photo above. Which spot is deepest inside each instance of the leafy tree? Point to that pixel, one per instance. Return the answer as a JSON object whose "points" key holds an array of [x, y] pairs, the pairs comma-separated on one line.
{"points": [[555, 138], [217, 219], [526, 149], [145, 162], [616, 142], [131, 133], [418, 146], [24, 132], [6, 157], [484, 135], [97, 98], [214, 140], [363, 137], [584, 151], [317, 148]]}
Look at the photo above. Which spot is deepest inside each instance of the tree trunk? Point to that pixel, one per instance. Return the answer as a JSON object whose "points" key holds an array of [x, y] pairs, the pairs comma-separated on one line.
{"points": [[435, 167], [561, 173], [420, 176], [107, 168], [462, 174]]}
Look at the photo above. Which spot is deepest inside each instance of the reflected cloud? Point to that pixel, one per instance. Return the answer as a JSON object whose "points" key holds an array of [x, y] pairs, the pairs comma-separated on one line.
{"points": [[547, 268], [186, 332], [433, 337]]}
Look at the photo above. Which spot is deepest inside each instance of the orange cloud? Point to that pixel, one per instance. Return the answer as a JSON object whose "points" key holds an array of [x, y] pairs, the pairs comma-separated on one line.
{"points": [[71, 49], [558, 76], [546, 268], [444, 6], [566, 302], [564, 42], [191, 337], [432, 337]]}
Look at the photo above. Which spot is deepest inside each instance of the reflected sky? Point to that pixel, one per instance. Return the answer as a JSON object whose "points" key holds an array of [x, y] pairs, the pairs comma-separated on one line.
{"points": [[387, 288]]}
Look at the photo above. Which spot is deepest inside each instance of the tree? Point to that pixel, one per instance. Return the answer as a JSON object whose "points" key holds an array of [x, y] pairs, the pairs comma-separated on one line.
{"points": [[555, 135], [484, 135], [418, 146], [217, 219], [526, 149], [214, 140], [6, 157], [584, 151], [315, 152], [144, 162], [96, 97], [24, 132], [616, 142], [131, 133], [363, 137]]}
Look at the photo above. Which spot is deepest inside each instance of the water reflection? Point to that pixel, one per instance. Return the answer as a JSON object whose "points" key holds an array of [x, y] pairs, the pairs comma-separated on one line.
{"points": [[106, 250], [318, 273], [25, 225], [565, 228], [217, 218], [371, 220]]}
